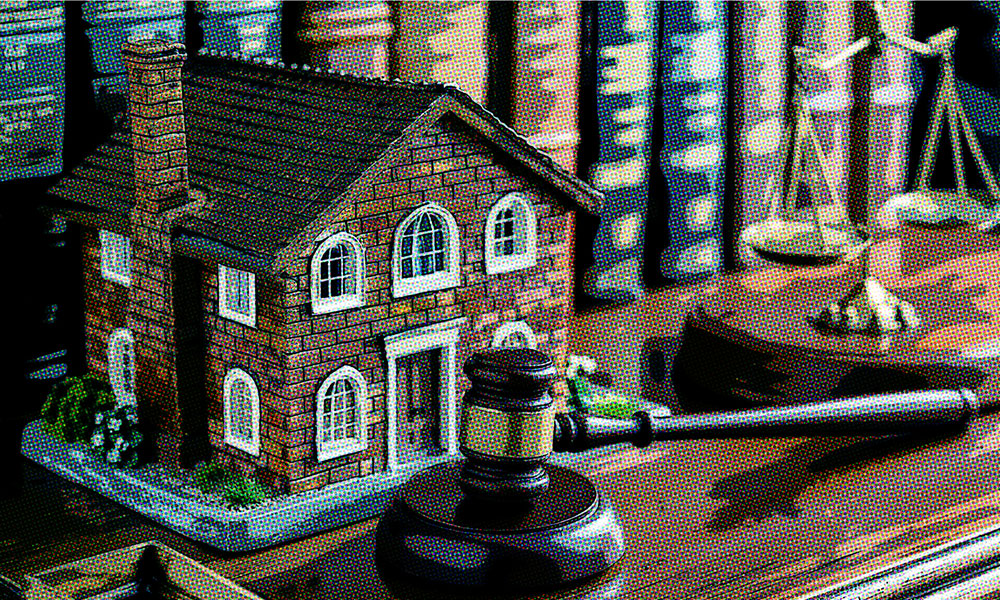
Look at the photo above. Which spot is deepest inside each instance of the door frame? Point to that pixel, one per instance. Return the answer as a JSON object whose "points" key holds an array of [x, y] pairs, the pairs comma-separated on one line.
{"points": [[443, 336]]}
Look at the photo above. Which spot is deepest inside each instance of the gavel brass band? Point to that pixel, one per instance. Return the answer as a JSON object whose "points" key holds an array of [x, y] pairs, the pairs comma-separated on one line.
{"points": [[493, 432]]}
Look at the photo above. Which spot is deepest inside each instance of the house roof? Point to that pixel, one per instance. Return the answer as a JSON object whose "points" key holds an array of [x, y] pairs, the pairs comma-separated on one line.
{"points": [[279, 152]]}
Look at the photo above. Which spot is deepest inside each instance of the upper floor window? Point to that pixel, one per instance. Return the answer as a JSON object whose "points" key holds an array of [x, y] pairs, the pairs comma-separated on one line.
{"points": [[241, 411], [337, 274], [121, 366], [237, 295], [516, 334], [116, 257], [511, 232], [340, 417], [425, 253]]}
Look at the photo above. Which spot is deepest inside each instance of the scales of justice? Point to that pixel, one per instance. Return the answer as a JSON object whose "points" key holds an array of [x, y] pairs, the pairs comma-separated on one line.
{"points": [[823, 235]]}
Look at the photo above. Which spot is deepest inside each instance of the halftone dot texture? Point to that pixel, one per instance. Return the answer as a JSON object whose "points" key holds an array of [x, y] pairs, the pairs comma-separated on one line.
{"points": [[53, 522]]}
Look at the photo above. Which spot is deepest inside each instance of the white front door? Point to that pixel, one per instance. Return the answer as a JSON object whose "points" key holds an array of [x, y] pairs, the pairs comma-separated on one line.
{"points": [[422, 367]]}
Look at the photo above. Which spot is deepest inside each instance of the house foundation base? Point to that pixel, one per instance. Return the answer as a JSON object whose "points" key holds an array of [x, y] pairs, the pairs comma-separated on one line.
{"points": [[278, 520]]}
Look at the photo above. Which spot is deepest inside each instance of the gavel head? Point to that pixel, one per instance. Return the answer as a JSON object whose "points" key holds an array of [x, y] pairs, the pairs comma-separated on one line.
{"points": [[507, 424]]}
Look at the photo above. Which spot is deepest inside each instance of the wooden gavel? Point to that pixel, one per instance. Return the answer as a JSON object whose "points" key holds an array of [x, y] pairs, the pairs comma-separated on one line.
{"points": [[506, 507], [509, 425]]}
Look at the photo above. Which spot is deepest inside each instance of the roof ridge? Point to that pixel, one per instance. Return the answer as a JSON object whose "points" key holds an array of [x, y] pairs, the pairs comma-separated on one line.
{"points": [[262, 62]]}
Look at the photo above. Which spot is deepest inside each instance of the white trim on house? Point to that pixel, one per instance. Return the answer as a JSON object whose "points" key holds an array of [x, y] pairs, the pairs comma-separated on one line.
{"points": [[251, 446], [121, 366], [514, 327], [448, 278], [116, 257], [322, 305], [443, 335], [525, 236], [335, 448], [248, 317]]}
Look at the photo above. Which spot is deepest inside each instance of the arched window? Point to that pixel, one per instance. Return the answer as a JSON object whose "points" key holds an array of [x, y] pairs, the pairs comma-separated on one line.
{"points": [[241, 411], [121, 366], [341, 426], [516, 334], [337, 274], [511, 235], [425, 252]]}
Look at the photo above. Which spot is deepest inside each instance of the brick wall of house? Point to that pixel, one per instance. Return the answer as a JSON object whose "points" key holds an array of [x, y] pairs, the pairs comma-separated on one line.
{"points": [[450, 167], [105, 303], [258, 350]]}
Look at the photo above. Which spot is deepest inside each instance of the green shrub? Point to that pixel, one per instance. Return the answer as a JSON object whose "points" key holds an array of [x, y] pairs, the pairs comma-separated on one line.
{"points": [[72, 404], [213, 478], [116, 436]]}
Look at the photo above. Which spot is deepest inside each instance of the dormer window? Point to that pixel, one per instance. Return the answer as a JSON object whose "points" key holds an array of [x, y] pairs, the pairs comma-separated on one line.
{"points": [[511, 232], [237, 295], [116, 257], [425, 252], [337, 274]]}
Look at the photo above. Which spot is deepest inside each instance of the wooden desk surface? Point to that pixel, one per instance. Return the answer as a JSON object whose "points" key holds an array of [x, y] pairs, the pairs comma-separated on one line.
{"points": [[704, 519]]}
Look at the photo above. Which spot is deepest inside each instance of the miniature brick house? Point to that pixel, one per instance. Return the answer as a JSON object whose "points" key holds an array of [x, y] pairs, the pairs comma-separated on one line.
{"points": [[285, 269]]}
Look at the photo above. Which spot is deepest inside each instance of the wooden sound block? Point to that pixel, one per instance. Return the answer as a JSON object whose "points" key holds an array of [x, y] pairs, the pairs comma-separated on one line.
{"points": [[758, 320], [434, 534]]}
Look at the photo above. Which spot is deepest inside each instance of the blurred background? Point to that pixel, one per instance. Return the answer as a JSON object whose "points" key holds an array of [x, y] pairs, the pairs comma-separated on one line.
{"points": [[673, 109]]}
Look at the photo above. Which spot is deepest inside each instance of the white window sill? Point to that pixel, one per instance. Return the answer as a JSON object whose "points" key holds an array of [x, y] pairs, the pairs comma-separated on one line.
{"points": [[320, 307], [419, 285], [330, 451], [248, 320], [116, 277], [506, 264], [248, 447]]}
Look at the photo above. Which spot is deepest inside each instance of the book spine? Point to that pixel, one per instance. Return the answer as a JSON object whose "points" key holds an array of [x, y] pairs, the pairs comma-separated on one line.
{"points": [[350, 36], [443, 40], [546, 77], [248, 28], [692, 158], [621, 57], [32, 89], [109, 24], [762, 60]]}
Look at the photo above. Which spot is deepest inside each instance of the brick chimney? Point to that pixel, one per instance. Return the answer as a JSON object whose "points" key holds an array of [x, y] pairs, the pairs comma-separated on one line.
{"points": [[159, 149]]}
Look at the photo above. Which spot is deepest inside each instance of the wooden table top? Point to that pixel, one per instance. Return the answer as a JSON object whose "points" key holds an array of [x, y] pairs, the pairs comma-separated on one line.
{"points": [[703, 519]]}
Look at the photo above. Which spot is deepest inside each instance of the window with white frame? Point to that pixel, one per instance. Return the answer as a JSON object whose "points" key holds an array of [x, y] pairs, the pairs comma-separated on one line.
{"points": [[337, 274], [237, 295], [341, 427], [425, 252], [241, 411], [511, 235], [121, 366], [116, 257], [516, 334]]}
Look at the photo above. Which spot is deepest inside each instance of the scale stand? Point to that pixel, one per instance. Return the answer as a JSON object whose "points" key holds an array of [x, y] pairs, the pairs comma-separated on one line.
{"points": [[868, 308]]}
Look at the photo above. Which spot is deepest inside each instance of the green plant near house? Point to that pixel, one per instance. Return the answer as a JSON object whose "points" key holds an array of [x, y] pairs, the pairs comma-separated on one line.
{"points": [[116, 437], [72, 404], [213, 478]]}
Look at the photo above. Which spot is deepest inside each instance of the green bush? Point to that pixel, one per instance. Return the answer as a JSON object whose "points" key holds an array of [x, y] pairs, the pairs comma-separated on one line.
{"points": [[213, 478], [116, 436], [72, 404]]}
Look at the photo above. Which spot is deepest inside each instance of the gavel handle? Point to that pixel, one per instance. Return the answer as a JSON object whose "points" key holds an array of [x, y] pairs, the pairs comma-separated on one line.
{"points": [[936, 411]]}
